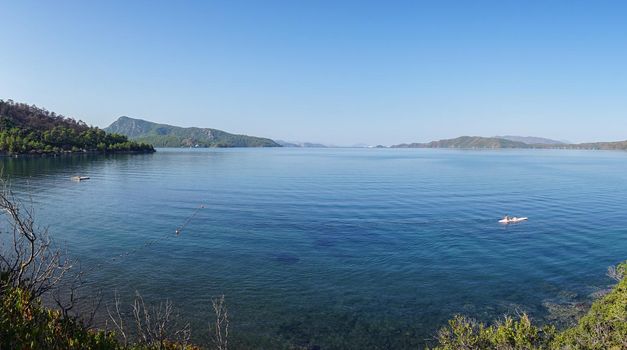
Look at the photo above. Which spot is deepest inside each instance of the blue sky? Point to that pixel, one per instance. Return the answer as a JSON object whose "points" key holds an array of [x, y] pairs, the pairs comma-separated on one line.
{"points": [[342, 72]]}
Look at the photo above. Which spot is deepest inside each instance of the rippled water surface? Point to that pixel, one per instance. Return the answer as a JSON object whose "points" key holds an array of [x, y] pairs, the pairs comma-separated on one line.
{"points": [[338, 248]]}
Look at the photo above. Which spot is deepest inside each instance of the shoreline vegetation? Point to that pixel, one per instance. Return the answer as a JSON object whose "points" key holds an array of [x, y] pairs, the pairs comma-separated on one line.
{"points": [[32, 271], [604, 326], [30, 130]]}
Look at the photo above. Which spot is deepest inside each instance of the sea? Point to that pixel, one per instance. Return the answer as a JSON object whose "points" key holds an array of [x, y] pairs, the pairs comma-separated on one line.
{"points": [[336, 248]]}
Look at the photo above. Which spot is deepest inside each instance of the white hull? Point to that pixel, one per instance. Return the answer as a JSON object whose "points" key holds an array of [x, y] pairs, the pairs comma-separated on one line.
{"points": [[512, 220]]}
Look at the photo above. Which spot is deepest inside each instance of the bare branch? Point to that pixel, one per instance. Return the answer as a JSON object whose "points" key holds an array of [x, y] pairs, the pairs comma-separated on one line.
{"points": [[615, 273], [28, 259], [117, 319], [220, 334]]}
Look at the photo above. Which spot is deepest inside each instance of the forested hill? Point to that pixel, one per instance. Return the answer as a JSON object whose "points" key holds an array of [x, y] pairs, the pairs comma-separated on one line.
{"points": [[531, 140], [163, 135], [477, 142], [27, 129], [468, 142]]}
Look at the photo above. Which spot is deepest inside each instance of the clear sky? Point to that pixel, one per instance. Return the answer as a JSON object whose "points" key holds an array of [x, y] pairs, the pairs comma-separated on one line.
{"points": [[341, 72]]}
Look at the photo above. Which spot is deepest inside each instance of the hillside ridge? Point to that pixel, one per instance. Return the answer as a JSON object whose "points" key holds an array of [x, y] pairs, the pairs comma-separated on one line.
{"points": [[479, 142], [165, 135]]}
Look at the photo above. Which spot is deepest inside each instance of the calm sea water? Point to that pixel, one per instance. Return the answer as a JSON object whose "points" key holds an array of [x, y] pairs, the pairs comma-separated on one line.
{"points": [[338, 248]]}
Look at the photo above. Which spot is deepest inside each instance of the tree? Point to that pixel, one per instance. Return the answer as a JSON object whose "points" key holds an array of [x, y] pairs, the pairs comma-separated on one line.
{"points": [[27, 260]]}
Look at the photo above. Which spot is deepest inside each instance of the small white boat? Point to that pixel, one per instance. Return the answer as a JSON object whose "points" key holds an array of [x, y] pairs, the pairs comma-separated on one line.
{"points": [[512, 220], [80, 178]]}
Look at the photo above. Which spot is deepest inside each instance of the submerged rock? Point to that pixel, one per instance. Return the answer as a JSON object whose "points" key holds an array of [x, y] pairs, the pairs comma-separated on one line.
{"points": [[286, 258], [565, 314]]}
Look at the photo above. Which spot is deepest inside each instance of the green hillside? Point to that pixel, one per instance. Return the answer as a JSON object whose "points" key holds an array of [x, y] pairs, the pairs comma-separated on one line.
{"points": [[27, 129], [531, 140], [609, 146], [477, 142], [163, 135], [468, 142]]}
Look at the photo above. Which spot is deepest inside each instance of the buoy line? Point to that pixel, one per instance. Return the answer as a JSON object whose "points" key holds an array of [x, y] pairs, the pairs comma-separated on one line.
{"points": [[148, 243]]}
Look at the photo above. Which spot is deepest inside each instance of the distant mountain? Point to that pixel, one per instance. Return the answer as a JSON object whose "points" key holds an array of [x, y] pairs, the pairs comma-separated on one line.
{"points": [[606, 146], [320, 145], [286, 144], [163, 135], [468, 142], [530, 140], [300, 144], [477, 142], [360, 145]]}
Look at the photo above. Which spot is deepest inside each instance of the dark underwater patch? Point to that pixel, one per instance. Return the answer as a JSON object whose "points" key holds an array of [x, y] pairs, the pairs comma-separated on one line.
{"points": [[286, 258]]}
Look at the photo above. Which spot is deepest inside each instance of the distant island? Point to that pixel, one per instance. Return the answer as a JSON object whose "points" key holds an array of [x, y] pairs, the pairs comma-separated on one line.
{"points": [[300, 144], [28, 129], [478, 142], [163, 135], [467, 142], [531, 140]]}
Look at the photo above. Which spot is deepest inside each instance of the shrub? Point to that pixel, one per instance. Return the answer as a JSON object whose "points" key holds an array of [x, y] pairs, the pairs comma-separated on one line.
{"points": [[25, 324], [465, 333], [603, 327]]}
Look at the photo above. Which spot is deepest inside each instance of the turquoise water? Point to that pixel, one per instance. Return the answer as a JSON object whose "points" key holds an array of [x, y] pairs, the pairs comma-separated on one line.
{"points": [[338, 248]]}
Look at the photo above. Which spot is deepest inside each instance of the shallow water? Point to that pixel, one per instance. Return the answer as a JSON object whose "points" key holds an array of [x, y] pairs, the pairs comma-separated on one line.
{"points": [[338, 248]]}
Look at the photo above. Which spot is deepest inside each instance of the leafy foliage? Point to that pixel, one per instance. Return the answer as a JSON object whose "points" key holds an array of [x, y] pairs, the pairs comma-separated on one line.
{"points": [[603, 327], [25, 324], [26, 129], [465, 333]]}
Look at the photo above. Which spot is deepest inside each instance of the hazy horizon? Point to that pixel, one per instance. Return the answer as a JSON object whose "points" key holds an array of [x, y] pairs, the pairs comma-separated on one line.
{"points": [[327, 72]]}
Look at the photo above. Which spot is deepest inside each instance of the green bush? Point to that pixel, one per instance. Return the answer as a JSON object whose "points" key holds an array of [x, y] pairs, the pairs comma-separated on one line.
{"points": [[464, 333], [25, 324], [603, 327]]}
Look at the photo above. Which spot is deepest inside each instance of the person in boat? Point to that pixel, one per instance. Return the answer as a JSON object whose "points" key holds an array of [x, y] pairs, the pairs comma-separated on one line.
{"points": [[506, 218]]}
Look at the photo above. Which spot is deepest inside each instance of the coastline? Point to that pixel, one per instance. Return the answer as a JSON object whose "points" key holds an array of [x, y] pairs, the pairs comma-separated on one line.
{"points": [[70, 153]]}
